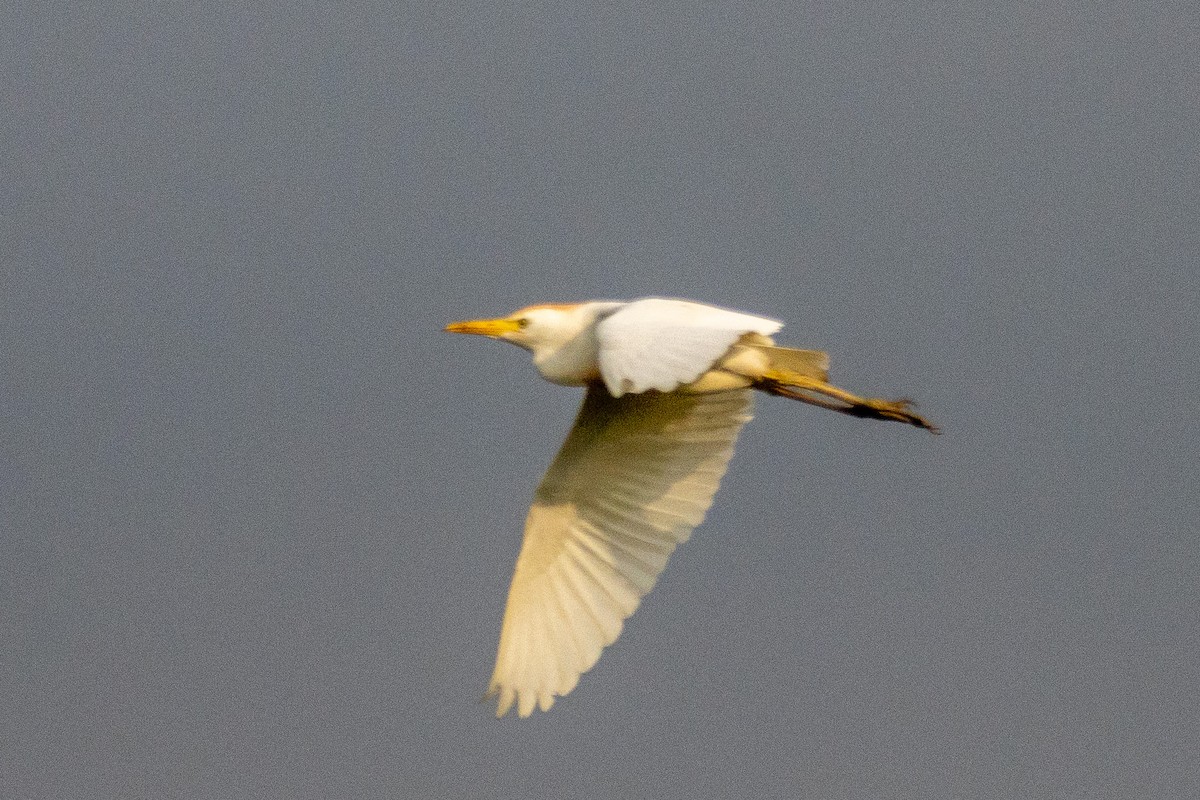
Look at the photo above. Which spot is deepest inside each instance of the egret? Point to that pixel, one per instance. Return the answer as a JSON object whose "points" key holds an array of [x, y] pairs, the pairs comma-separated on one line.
{"points": [[668, 388]]}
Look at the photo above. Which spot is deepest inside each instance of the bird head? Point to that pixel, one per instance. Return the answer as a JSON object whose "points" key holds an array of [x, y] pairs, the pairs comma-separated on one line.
{"points": [[538, 328]]}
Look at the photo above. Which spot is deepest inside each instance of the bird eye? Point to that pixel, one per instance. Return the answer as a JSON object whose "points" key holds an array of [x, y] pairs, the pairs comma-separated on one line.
{"points": [[523, 322]]}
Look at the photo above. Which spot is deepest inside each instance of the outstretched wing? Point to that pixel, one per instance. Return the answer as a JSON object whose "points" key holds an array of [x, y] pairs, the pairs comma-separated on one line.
{"points": [[662, 344], [634, 477]]}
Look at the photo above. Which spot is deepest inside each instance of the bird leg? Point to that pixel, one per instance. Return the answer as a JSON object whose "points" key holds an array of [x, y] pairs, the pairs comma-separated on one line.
{"points": [[814, 392]]}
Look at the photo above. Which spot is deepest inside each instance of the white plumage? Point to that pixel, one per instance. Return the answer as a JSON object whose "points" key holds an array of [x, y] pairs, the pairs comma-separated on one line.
{"points": [[662, 344], [668, 392]]}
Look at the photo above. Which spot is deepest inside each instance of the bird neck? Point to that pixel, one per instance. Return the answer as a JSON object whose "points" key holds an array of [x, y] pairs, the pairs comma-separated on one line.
{"points": [[573, 363]]}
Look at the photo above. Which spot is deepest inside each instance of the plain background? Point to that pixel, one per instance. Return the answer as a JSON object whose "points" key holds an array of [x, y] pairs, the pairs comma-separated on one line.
{"points": [[259, 513]]}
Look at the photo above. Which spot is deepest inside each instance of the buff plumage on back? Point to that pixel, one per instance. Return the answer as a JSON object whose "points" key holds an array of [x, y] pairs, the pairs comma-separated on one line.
{"points": [[634, 478]]}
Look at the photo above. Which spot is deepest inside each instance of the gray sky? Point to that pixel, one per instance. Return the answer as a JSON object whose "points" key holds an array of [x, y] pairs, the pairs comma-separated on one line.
{"points": [[259, 514]]}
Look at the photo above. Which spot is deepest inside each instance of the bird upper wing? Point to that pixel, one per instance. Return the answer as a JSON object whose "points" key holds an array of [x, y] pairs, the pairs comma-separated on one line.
{"points": [[661, 344], [634, 477]]}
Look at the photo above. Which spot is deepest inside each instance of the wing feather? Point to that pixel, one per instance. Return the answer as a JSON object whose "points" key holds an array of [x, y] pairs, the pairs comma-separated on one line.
{"points": [[634, 477], [662, 344], [605, 606]]}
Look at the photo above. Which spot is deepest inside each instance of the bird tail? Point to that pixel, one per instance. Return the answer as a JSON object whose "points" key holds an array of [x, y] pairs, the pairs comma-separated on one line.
{"points": [[788, 361], [804, 375]]}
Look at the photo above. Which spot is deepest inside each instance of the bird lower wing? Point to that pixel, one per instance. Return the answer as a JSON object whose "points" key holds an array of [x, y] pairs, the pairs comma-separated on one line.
{"points": [[635, 476]]}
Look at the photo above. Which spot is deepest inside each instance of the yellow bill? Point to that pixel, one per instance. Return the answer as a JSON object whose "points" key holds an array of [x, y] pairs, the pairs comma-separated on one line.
{"points": [[485, 327]]}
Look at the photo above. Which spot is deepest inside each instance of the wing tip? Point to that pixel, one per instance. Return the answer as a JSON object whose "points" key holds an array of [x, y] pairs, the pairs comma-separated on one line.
{"points": [[526, 700]]}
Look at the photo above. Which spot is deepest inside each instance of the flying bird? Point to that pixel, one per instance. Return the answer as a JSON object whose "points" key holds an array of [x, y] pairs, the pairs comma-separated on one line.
{"points": [[668, 388]]}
